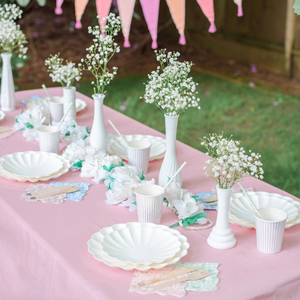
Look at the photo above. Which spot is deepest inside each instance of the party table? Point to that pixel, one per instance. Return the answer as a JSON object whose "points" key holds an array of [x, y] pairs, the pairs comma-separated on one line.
{"points": [[43, 246]]}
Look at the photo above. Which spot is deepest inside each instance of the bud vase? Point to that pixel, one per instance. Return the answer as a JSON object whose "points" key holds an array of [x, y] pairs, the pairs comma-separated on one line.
{"points": [[98, 137], [69, 97], [170, 164], [221, 236], [7, 84]]}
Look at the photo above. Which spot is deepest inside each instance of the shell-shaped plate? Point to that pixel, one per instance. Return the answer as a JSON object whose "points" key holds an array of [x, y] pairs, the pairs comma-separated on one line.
{"points": [[31, 164], [117, 146], [95, 247]]}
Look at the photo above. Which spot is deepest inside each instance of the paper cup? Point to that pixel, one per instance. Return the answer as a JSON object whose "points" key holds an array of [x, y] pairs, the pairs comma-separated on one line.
{"points": [[138, 153], [49, 137], [270, 230], [149, 201], [56, 108]]}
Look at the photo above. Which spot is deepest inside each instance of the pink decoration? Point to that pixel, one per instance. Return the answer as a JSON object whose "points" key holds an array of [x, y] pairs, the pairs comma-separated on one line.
{"points": [[126, 43], [80, 6], [103, 7], [126, 8], [58, 9], [240, 11], [207, 7], [182, 40], [154, 44], [78, 25], [177, 10], [151, 12]]}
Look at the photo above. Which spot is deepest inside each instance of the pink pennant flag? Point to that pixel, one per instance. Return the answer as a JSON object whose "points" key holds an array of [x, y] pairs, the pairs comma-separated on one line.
{"points": [[151, 12], [240, 8], [79, 10], [207, 7], [58, 9], [103, 7], [126, 8], [177, 10]]}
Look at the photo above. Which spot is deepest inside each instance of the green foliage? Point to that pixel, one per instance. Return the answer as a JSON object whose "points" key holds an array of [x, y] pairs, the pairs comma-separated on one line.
{"points": [[267, 123], [23, 3]]}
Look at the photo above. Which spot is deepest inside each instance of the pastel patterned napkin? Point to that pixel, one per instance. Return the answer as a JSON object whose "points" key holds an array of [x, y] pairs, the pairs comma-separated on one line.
{"points": [[33, 97], [75, 196], [208, 283], [5, 132], [58, 199], [202, 195]]}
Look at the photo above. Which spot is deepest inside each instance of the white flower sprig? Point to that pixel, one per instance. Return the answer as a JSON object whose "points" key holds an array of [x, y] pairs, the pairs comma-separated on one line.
{"points": [[10, 12], [169, 86], [64, 74], [12, 39], [229, 163], [101, 52]]}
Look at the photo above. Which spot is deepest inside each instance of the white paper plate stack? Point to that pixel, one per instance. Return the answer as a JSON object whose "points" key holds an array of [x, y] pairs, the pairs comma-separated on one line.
{"points": [[241, 211], [33, 166], [80, 104], [140, 246], [116, 145]]}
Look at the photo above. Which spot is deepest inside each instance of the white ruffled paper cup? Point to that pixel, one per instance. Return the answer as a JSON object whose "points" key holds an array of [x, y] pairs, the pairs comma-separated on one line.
{"points": [[49, 137], [138, 153], [270, 229], [149, 201], [56, 108]]}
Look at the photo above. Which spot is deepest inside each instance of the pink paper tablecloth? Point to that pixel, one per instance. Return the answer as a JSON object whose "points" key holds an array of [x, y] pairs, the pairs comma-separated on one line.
{"points": [[43, 247]]}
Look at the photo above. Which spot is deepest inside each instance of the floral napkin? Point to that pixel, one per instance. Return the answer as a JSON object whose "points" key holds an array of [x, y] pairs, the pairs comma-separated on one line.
{"points": [[203, 195], [208, 283], [5, 132], [75, 196], [58, 199]]}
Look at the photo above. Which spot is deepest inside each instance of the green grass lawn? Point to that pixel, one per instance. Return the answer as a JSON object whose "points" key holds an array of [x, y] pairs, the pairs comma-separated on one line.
{"points": [[265, 121]]}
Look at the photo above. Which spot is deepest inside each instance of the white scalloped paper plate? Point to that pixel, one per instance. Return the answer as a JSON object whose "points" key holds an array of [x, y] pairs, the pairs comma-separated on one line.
{"points": [[31, 164], [116, 145], [2, 115], [80, 104], [141, 245], [95, 248], [263, 199], [64, 169]]}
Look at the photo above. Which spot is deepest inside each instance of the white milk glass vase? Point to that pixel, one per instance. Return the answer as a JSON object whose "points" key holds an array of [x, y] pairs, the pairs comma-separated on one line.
{"points": [[98, 137], [221, 236], [170, 164], [7, 84], [69, 97]]}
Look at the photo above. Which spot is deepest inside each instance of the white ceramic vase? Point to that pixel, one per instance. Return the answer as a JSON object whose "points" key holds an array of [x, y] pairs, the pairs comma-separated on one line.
{"points": [[98, 137], [7, 84], [170, 164], [69, 97], [221, 236]]}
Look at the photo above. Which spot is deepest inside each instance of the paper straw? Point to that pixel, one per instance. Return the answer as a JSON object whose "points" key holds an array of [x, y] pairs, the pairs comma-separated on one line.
{"points": [[117, 131], [45, 89], [63, 118], [251, 202], [174, 176]]}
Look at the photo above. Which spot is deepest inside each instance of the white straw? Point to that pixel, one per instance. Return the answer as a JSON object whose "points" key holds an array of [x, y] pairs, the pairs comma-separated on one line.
{"points": [[250, 200], [45, 89], [61, 121], [117, 131], [174, 176]]}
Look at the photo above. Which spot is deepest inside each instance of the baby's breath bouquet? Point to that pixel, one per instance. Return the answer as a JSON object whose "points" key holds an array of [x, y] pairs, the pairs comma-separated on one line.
{"points": [[229, 162], [64, 74], [101, 51], [12, 39], [169, 87]]}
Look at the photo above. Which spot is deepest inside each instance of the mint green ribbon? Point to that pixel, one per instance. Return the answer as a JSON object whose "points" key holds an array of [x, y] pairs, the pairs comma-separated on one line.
{"points": [[190, 220], [78, 164]]}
